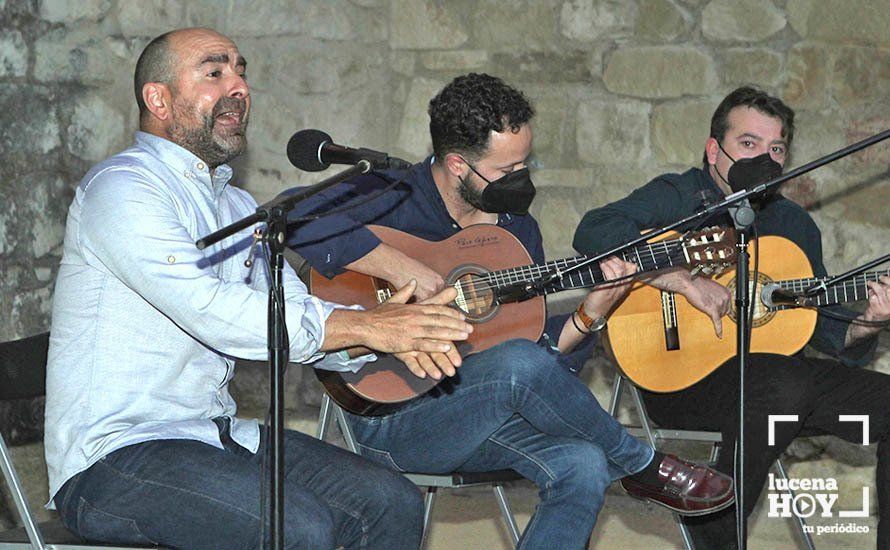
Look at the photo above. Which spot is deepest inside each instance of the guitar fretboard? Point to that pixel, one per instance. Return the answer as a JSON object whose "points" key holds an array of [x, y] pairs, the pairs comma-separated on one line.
{"points": [[648, 257], [851, 290]]}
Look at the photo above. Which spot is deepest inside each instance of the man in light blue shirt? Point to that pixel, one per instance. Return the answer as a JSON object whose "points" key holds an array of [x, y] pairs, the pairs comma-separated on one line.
{"points": [[142, 442]]}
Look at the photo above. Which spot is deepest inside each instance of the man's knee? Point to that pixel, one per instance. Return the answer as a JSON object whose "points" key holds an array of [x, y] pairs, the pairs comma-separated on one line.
{"points": [[581, 475], [523, 361], [395, 500]]}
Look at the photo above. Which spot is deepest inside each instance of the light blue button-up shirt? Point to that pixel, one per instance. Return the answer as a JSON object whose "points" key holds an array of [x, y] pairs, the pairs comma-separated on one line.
{"points": [[145, 326]]}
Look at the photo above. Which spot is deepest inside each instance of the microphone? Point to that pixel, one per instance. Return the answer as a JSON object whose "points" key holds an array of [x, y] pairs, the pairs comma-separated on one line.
{"points": [[314, 150], [773, 295]]}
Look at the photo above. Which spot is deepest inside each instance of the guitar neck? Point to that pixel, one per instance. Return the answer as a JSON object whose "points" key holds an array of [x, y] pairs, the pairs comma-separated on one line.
{"points": [[648, 257], [851, 290]]}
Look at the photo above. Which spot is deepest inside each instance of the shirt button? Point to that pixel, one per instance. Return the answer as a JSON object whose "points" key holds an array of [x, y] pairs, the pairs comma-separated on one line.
{"points": [[454, 225], [200, 166]]}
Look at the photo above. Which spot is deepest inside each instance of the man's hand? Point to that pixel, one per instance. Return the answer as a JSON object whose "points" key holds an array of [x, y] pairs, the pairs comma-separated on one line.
{"points": [[393, 265], [709, 297], [878, 300], [878, 311], [599, 302], [434, 364], [430, 326], [428, 281]]}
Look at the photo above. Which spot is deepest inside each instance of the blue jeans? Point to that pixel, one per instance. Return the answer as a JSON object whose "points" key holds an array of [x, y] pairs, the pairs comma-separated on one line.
{"points": [[513, 406], [186, 494]]}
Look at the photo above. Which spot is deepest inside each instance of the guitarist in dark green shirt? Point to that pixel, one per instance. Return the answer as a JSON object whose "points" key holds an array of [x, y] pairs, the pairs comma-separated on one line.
{"points": [[752, 131]]}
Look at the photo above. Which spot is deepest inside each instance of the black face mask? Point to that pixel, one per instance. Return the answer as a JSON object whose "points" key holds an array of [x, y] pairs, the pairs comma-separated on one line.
{"points": [[750, 172], [510, 194]]}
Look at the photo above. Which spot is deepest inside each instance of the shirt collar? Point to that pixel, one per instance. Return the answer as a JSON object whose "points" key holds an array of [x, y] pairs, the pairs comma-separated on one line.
{"points": [[184, 162]]}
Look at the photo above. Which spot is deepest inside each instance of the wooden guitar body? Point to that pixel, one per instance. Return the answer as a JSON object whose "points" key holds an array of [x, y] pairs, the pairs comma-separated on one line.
{"points": [[475, 251], [663, 358]]}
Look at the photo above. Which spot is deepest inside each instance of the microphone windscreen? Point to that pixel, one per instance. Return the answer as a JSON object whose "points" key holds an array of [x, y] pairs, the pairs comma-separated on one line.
{"points": [[303, 150]]}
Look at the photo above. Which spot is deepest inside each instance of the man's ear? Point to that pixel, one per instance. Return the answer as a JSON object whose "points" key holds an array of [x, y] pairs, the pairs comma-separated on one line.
{"points": [[711, 150], [455, 165], [158, 100]]}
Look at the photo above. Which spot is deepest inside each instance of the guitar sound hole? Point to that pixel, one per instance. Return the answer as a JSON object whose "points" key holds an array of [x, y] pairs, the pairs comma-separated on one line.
{"points": [[474, 296]]}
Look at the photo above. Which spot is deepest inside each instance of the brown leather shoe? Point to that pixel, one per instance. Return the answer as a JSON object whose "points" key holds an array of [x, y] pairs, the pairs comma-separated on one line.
{"points": [[689, 489]]}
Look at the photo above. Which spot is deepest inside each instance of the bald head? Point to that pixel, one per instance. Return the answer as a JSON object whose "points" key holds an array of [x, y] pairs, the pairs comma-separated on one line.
{"points": [[155, 64]]}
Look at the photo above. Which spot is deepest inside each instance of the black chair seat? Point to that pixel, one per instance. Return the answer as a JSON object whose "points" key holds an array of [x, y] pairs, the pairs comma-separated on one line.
{"points": [[473, 478]]}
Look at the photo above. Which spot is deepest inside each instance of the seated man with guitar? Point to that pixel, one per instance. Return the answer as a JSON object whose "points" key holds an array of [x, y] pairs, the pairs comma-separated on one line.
{"points": [[513, 403], [667, 344]]}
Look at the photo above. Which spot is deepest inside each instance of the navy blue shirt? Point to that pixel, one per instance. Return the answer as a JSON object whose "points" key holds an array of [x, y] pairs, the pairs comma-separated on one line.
{"points": [[415, 207], [671, 197]]}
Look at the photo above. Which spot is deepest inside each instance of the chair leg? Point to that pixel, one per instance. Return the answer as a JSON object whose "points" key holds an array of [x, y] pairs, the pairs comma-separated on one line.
{"points": [[324, 417], [644, 416], [684, 532], [18, 496], [616, 395], [428, 502], [507, 513], [799, 521], [346, 430]]}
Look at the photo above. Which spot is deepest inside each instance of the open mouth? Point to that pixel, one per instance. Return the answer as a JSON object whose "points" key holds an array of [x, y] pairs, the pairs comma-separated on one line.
{"points": [[230, 118]]}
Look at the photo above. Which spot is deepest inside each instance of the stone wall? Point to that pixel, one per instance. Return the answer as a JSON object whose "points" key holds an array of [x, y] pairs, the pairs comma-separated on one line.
{"points": [[623, 89]]}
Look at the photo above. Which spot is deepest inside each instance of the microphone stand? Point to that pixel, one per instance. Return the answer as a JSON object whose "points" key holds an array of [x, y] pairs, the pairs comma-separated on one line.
{"points": [[274, 214], [743, 217]]}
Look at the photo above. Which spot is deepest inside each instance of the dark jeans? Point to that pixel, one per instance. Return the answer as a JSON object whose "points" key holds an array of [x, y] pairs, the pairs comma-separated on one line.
{"points": [[513, 406], [186, 494], [816, 390]]}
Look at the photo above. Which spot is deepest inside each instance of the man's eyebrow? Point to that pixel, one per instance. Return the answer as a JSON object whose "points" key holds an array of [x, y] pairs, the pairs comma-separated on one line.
{"points": [[222, 58]]}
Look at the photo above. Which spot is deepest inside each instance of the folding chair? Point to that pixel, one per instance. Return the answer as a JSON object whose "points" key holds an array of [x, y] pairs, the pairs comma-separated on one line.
{"points": [[432, 482], [23, 376], [654, 435]]}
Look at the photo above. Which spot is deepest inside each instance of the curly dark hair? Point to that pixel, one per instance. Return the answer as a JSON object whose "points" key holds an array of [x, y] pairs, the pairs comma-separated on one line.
{"points": [[464, 113], [755, 98]]}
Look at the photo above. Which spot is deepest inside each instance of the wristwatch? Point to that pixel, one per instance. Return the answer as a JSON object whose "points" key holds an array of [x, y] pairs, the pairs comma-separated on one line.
{"points": [[593, 325]]}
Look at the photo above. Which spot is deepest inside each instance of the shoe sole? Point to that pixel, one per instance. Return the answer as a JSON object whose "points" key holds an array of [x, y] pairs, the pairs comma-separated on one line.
{"points": [[682, 512]]}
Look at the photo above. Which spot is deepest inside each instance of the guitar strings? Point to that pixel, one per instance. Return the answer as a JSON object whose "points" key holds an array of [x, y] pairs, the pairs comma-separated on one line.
{"points": [[482, 293]]}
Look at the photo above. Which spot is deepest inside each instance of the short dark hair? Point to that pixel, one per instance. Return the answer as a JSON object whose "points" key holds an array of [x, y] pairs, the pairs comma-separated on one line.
{"points": [[465, 112], [155, 64], [755, 98]]}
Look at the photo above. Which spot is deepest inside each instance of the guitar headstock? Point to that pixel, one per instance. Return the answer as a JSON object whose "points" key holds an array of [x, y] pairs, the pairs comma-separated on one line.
{"points": [[710, 250]]}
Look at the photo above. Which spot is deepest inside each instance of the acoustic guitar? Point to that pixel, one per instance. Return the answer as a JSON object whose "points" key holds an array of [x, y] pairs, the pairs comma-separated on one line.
{"points": [[499, 289], [663, 344]]}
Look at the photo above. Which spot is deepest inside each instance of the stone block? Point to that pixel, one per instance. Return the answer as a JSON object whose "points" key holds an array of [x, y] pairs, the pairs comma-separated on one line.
{"points": [[860, 75], [65, 11], [85, 55], [515, 25], [612, 132], [46, 212], [562, 66], [29, 119], [558, 215], [424, 25], [562, 177], [13, 54], [661, 21], [456, 60], [741, 20], [414, 132], [853, 21], [808, 69], [758, 66], [591, 20], [660, 72], [96, 129], [150, 19], [680, 129], [554, 123]]}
